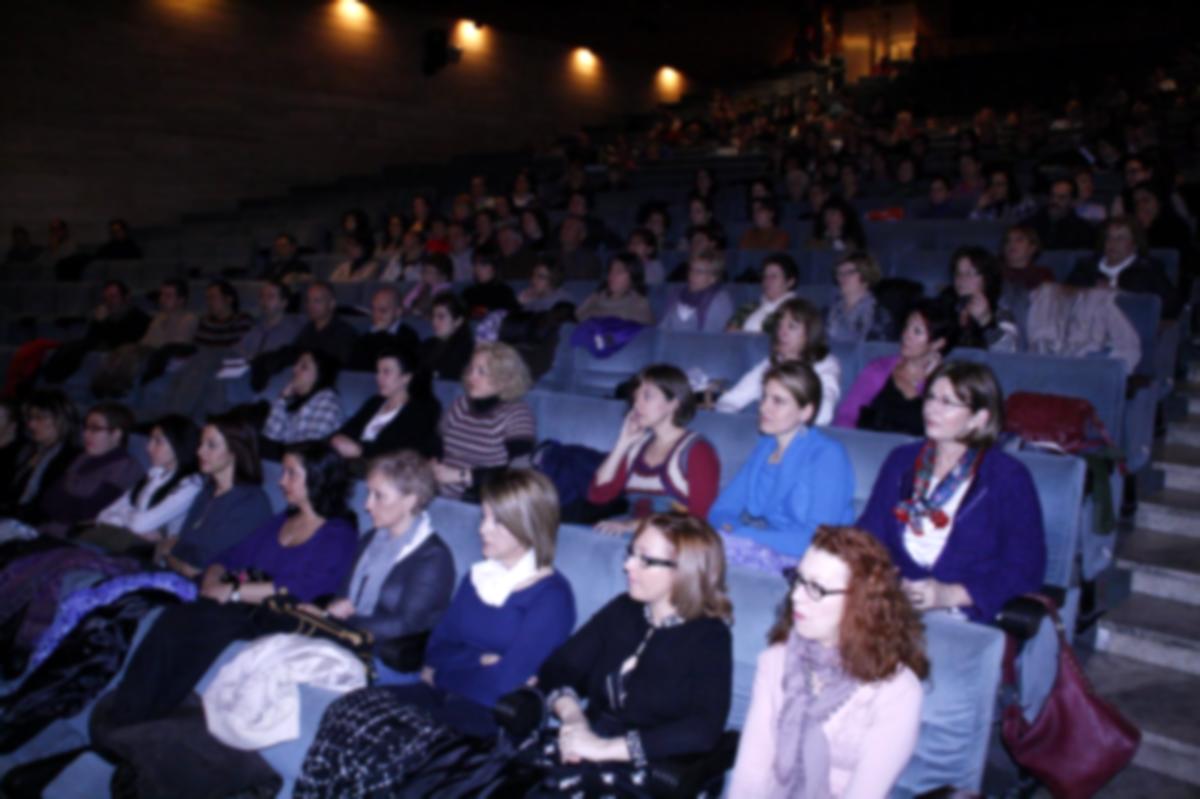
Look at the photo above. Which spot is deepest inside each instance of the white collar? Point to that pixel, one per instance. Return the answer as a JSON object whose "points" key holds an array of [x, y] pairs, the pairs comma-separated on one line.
{"points": [[494, 583], [1117, 268], [424, 529]]}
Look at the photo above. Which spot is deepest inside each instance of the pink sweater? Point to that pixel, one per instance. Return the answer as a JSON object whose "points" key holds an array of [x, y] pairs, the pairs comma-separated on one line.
{"points": [[870, 381], [871, 737]]}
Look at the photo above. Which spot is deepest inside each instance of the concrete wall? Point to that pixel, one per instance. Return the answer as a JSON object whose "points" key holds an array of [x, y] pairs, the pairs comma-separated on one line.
{"points": [[149, 108]]}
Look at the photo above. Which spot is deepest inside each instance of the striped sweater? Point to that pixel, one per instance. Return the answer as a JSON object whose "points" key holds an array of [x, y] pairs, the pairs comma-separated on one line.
{"points": [[485, 435]]}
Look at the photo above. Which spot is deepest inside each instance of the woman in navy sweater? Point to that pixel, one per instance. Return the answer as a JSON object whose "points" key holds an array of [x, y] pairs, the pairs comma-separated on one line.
{"points": [[960, 518]]}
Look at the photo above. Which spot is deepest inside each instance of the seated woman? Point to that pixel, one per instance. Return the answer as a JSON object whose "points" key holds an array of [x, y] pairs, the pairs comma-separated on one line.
{"points": [[51, 427], [1018, 255], [509, 613], [360, 264], [836, 705], [545, 286], [437, 275], [764, 232], [837, 227], [664, 646], [308, 408], [488, 293], [796, 479], [856, 315], [797, 335], [231, 502], [702, 305], [657, 464], [446, 353], [306, 551], [982, 322], [401, 416], [403, 574], [156, 506], [887, 394], [779, 277], [623, 294], [99, 475], [488, 428], [960, 518]]}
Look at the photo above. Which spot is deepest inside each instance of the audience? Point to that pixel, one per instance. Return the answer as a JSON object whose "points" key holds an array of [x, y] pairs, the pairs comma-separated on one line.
{"points": [[702, 305], [649, 677], [797, 334], [545, 287], [1018, 256], [764, 232], [488, 293], [308, 407], [575, 260], [402, 416], [323, 331], [961, 518], [622, 295], [855, 314], [231, 502], [283, 263], [1057, 224], [437, 275], [836, 705], [446, 353], [1123, 263], [983, 322], [114, 322], [888, 393], [796, 479], [171, 332], [644, 244], [489, 427], [837, 228], [101, 473], [657, 464], [779, 278], [387, 330], [51, 426], [119, 245]]}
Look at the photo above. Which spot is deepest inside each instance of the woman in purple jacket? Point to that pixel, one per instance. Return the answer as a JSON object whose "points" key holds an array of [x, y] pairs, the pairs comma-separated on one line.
{"points": [[960, 518]]}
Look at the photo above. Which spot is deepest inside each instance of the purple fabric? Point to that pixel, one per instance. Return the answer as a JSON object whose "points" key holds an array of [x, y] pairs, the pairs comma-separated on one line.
{"points": [[80, 603], [316, 568], [700, 300], [603, 336], [870, 381], [35, 582], [997, 546]]}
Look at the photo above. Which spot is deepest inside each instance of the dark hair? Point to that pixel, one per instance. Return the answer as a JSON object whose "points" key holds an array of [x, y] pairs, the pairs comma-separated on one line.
{"points": [[988, 267], [673, 383], [704, 201], [442, 263], [1070, 183], [119, 285], [184, 437], [227, 291], [786, 263], [975, 385], [323, 285], [450, 301], [633, 265], [327, 375], [940, 320], [242, 440], [650, 208], [402, 355], [180, 286], [326, 478], [1130, 224], [816, 345], [549, 262], [852, 229], [648, 237], [116, 415], [13, 408], [59, 406], [768, 204], [285, 293]]}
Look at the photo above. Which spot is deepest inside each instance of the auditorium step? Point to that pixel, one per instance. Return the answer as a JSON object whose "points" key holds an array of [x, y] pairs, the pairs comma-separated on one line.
{"points": [[1170, 511], [1180, 465], [1162, 565], [1185, 431], [1156, 631], [1164, 704]]}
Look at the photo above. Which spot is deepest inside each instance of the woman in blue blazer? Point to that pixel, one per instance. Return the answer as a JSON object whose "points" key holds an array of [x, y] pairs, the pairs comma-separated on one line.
{"points": [[796, 479], [961, 518]]}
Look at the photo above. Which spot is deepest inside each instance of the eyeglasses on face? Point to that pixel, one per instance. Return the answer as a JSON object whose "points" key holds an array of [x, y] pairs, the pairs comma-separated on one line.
{"points": [[647, 562], [815, 590], [945, 402]]}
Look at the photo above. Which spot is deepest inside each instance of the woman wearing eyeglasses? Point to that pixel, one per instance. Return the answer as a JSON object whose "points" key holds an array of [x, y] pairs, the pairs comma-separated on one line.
{"points": [[836, 704], [960, 518], [654, 665]]}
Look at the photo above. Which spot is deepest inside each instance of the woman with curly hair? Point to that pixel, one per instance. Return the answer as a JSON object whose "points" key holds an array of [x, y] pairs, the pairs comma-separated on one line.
{"points": [[836, 705]]}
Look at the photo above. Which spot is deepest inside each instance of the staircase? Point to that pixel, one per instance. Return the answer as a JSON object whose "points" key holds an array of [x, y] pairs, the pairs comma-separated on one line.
{"points": [[1146, 658]]}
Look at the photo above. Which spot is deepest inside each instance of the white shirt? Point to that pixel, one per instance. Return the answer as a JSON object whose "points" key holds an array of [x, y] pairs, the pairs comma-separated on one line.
{"points": [[1114, 272], [380, 420], [136, 514], [494, 582], [927, 547], [754, 322], [749, 388]]}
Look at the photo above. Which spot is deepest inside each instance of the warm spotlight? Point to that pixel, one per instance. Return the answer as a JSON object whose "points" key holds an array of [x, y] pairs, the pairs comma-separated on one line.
{"points": [[584, 61], [353, 11], [669, 79], [470, 35]]}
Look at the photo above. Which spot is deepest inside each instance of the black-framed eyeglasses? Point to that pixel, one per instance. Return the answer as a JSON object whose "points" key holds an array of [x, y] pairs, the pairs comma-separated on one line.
{"points": [[648, 561], [816, 592]]}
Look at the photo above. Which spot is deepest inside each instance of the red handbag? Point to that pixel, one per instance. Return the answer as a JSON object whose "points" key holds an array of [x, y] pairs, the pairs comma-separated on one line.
{"points": [[1052, 421], [1078, 742]]}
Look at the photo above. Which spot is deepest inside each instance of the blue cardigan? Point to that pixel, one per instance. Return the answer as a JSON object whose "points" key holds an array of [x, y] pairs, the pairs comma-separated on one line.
{"points": [[780, 505], [531, 624], [997, 546]]}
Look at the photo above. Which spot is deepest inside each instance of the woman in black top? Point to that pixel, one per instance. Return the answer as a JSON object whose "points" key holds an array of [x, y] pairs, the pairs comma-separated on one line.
{"points": [[655, 664], [403, 415], [446, 353], [51, 426]]}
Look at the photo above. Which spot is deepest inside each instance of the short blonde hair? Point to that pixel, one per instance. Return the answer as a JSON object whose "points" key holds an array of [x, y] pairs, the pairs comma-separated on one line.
{"points": [[508, 369], [699, 589], [409, 473], [526, 503], [866, 265]]}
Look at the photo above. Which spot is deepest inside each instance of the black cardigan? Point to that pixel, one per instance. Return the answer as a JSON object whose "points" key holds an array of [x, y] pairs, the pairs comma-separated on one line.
{"points": [[677, 698], [415, 427], [413, 598]]}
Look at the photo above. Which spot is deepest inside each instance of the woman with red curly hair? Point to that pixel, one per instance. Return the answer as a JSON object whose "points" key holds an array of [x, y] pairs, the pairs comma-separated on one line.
{"points": [[837, 696]]}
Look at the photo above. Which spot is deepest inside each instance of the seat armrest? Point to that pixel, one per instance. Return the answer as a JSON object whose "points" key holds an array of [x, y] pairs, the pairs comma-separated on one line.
{"points": [[1021, 616]]}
